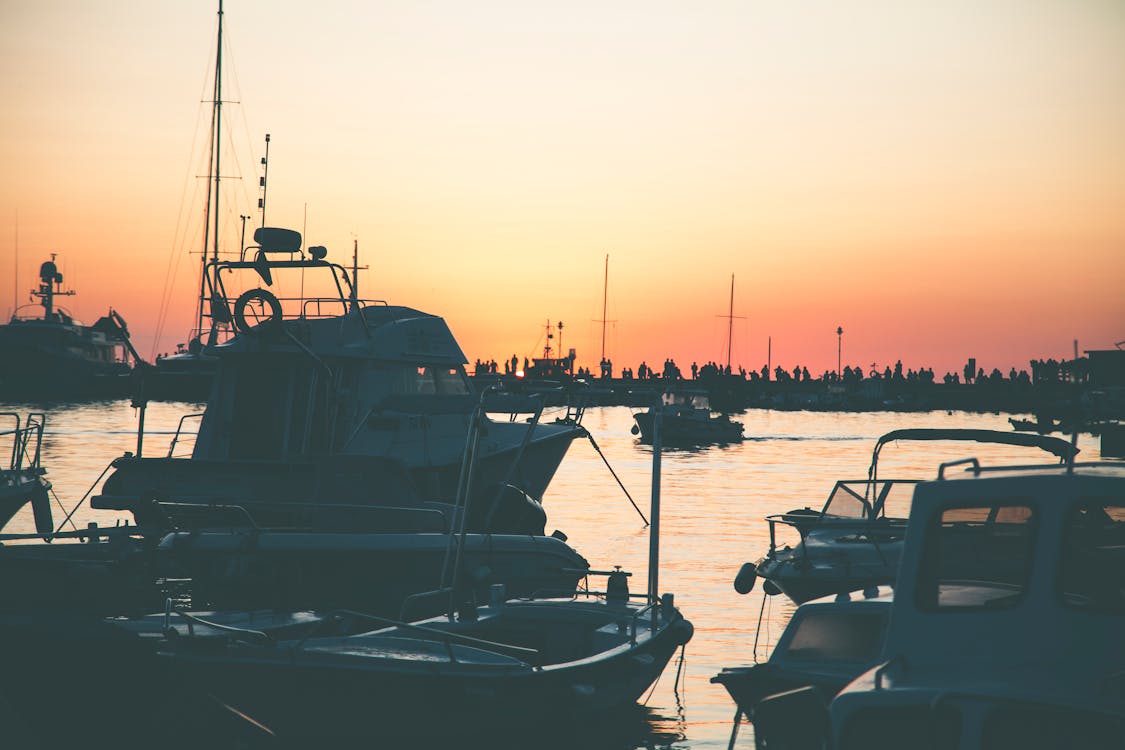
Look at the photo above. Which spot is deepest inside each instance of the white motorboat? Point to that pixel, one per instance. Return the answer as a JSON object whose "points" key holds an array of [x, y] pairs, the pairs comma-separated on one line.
{"points": [[1005, 629], [855, 540]]}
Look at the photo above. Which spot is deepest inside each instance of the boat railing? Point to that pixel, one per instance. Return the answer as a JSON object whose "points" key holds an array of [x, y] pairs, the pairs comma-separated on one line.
{"points": [[362, 517], [330, 307], [179, 431], [255, 636], [805, 521], [448, 638], [27, 440]]}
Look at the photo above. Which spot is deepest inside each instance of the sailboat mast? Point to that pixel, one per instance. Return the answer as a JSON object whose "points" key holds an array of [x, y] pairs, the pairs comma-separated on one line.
{"points": [[213, 175], [216, 136], [730, 320], [605, 293]]}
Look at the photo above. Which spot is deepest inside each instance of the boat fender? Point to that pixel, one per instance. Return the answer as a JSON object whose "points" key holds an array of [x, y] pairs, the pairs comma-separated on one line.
{"points": [[747, 576], [770, 588], [635, 430], [41, 507], [260, 298]]}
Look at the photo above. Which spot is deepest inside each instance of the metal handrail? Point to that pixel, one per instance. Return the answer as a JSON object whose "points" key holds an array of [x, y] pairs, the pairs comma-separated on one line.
{"points": [[179, 428], [169, 631], [637, 615], [961, 462]]}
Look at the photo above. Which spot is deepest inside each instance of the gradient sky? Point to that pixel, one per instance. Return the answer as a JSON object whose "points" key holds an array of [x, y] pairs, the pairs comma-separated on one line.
{"points": [[943, 180]]}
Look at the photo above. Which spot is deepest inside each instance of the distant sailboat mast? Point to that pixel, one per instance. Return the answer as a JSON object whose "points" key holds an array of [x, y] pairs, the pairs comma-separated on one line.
{"points": [[605, 293], [730, 321]]}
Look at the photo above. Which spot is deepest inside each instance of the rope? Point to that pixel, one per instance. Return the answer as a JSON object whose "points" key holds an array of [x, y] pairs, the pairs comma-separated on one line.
{"points": [[79, 503], [63, 509], [614, 473], [758, 630]]}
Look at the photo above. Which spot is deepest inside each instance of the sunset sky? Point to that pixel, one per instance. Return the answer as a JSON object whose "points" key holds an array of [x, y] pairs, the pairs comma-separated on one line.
{"points": [[942, 179]]}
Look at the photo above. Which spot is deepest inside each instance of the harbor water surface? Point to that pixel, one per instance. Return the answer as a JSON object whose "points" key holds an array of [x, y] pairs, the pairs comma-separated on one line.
{"points": [[713, 500]]}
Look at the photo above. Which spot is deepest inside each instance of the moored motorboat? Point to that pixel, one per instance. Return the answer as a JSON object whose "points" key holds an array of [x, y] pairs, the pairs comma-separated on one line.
{"points": [[50, 354], [511, 665], [332, 402], [1005, 628], [855, 540], [826, 644]]}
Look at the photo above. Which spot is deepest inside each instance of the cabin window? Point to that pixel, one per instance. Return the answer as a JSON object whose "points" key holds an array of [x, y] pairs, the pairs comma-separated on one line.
{"points": [[432, 379], [839, 636], [847, 501], [977, 557], [1092, 562], [450, 380]]}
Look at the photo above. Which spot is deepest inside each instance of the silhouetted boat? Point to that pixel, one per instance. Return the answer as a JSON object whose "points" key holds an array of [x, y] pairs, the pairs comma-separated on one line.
{"points": [[855, 540], [51, 355], [513, 664], [826, 644], [22, 481], [688, 419], [329, 407], [1005, 628], [186, 374]]}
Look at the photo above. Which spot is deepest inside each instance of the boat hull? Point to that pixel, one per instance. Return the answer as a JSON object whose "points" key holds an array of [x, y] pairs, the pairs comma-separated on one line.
{"points": [[385, 685], [683, 430], [301, 492]]}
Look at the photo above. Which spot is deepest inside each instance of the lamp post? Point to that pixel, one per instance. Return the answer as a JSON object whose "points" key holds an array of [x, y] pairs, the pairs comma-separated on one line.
{"points": [[839, 345]]}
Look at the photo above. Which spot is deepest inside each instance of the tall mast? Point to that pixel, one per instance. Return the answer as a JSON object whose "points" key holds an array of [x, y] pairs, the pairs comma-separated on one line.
{"points": [[730, 320], [605, 293], [216, 136], [211, 238]]}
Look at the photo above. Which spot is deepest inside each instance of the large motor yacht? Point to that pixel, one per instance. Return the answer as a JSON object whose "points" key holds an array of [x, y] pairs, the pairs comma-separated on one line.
{"points": [[327, 411], [47, 353]]}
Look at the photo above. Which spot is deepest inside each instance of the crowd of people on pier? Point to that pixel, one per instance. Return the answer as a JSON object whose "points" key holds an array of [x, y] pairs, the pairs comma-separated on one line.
{"points": [[1041, 371]]}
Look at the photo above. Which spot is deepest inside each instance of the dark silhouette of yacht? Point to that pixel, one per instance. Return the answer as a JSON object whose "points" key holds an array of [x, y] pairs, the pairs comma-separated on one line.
{"points": [[49, 354]]}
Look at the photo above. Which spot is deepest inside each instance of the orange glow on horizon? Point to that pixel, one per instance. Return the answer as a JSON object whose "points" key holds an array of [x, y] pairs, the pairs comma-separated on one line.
{"points": [[942, 182]]}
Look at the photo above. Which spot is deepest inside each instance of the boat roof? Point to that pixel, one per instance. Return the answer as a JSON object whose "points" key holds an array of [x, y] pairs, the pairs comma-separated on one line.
{"points": [[973, 470], [1056, 446], [374, 331]]}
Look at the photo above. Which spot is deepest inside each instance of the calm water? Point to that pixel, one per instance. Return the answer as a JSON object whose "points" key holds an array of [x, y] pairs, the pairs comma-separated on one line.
{"points": [[712, 504]]}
